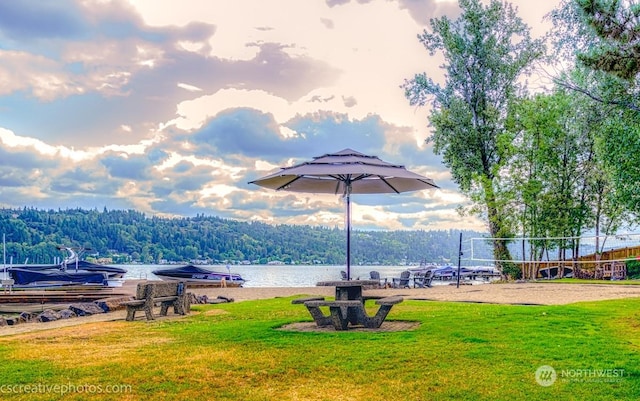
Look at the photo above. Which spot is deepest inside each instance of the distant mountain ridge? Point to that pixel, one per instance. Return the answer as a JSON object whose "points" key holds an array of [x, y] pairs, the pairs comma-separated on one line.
{"points": [[128, 236]]}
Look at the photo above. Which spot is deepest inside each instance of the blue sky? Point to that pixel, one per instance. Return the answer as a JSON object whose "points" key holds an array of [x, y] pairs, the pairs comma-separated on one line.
{"points": [[172, 107]]}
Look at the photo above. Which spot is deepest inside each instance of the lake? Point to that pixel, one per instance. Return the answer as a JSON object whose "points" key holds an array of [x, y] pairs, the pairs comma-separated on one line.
{"points": [[277, 275], [284, 275]]}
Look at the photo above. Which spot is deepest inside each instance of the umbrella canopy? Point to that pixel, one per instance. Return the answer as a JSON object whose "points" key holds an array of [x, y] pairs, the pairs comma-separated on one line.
{"points": [[346, 172]]}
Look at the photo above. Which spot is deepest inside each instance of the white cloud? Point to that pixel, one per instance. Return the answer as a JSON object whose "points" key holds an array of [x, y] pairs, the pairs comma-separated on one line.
{"points": [[189, 88], [42, 76], [181, 70]]}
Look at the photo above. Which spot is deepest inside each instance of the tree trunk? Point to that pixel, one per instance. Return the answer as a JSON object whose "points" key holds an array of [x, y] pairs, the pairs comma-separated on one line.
{"points": [[501, 253]]}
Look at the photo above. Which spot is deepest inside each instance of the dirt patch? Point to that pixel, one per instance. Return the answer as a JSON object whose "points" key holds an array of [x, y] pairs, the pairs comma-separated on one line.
{"points": [[387, 326], [214, 312]]}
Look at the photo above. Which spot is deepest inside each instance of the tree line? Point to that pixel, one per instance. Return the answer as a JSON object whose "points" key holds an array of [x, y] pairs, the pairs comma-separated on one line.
{"points": [[128, 236], [550, 164]]}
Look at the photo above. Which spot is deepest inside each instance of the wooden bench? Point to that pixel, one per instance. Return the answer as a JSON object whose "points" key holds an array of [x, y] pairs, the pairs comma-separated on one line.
{"points": [[343, 312], [167, 294]]}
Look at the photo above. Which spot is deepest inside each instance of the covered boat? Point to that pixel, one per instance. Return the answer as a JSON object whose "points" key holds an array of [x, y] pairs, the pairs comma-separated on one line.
{"points": [[71, 271], [552, 272], [26, 277], [444, 273], [199, 275]]}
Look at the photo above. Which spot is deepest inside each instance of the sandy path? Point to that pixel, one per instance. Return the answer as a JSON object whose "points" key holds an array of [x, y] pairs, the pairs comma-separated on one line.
{"points": [[528, 293]]}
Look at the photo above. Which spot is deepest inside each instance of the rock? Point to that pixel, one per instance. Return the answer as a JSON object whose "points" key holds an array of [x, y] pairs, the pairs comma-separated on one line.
{"points": [[25, 317], [86, 309], [66, 314], [12, 321], [194, 299], [204, 299], [3, 321], [48, 316], [220, 300]]}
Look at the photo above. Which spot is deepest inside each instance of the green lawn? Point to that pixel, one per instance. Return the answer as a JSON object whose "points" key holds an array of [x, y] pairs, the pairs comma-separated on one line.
{"points": [[461, 351]]}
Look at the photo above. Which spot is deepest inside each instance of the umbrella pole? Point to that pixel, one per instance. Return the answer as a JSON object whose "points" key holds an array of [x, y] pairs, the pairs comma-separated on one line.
{"points": [[348, 236]]}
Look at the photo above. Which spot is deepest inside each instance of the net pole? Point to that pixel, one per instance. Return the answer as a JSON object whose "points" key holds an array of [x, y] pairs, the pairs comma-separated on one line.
{"points": [[459, 259]]}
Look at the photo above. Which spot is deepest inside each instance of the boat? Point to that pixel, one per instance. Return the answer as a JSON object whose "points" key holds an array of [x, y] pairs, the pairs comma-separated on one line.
{"points": [[111, 271], [72, 271], [438, 271], [196, 275], [444, 273], [449, 272], [552, 272], [55, 277]]}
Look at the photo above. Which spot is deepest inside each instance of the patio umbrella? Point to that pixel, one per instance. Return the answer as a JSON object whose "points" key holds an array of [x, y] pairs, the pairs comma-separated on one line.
{"points": [[346, 172]]}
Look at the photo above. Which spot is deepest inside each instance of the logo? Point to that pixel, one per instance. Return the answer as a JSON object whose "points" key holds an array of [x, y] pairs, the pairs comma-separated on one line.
{"points": [[546, 375]]}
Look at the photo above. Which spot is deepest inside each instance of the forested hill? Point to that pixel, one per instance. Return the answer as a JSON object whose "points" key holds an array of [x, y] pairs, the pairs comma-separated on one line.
{"points": [[128, 236]]}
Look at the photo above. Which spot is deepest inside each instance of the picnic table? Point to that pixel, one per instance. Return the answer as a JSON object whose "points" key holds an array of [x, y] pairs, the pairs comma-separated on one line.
{"points": [[348, 307]]}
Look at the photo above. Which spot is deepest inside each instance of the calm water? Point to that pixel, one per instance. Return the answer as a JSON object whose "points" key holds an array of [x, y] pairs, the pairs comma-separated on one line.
{"points": [[277, 275]]}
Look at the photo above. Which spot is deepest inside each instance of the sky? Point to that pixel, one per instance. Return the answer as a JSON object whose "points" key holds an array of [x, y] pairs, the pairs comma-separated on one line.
{"points": [[171, 107]]}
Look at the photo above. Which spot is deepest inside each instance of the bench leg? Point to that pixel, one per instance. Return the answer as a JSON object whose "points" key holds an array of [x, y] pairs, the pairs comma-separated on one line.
{"points": [[182, 306], [148, 311], [318, 316], [375, 321], [131, 314], [339, 317], [356, 315], [164, 308]]}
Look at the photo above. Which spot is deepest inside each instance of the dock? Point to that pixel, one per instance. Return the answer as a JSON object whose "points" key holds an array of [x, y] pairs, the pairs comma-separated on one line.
{"points": [[56, 298]]}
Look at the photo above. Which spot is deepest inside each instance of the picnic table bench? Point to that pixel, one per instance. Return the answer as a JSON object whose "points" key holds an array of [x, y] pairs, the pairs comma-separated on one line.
{"points": [[348, 307], [167, 294]]}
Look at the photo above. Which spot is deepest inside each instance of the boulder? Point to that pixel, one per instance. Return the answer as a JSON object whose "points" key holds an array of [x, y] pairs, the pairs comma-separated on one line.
{"points": [[25, 317], [67, 313], [86, 309], [195, 299], [48, 316], [3, 321], [220, 300]]}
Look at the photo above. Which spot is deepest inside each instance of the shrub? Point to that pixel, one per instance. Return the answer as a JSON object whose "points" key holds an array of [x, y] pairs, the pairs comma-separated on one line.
{"points": [[511, 270], [633, 268]]}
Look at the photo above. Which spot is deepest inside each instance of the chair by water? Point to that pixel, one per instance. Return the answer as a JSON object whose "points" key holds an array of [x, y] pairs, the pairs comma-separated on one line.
{"points": [[402, 281], [422, 280], [375, 275]]}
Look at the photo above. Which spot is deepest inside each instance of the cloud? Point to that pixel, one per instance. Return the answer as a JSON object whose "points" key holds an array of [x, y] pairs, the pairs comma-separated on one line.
{"points": [[172, 108], [130, 167], [35, 20]]}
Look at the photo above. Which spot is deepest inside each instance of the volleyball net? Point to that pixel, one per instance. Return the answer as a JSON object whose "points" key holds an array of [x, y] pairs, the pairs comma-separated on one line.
{"points": [[583, 249]]}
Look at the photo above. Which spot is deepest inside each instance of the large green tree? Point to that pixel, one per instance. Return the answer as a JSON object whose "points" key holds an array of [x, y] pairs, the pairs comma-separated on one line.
{"points": [[601, 40], [616, 24], [604, 37], [486, 51], [561, 184]]}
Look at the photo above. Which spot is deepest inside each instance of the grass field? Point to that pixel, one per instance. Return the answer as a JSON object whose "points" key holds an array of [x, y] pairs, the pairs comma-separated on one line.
{"points": [[460, 351]]}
